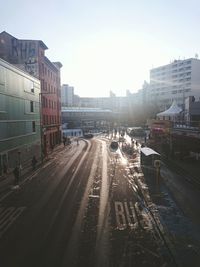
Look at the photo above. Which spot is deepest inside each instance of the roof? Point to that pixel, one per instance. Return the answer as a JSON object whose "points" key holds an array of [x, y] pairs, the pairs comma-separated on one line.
{"points": [[42, 44], [172, 111], [74, 109], [147, 151]]}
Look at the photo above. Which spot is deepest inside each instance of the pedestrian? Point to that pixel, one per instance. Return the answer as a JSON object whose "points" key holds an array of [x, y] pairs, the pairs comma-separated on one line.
{"points": [[5, 168], [64, 140], [34, 162], [16, 173]]}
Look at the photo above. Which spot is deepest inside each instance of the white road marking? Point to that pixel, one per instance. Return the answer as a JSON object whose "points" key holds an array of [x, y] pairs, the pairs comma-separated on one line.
{"points": [[71, 255], [102, 242], [8, 216], [120, 216], [125, 214]]}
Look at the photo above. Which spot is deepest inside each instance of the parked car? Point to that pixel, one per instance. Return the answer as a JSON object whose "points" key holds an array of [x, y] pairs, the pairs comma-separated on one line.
{"points": [[88, 135]]}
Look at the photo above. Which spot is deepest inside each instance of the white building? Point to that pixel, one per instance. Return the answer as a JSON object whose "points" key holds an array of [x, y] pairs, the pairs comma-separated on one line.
{"points": [[175, 81], [67, 95]]}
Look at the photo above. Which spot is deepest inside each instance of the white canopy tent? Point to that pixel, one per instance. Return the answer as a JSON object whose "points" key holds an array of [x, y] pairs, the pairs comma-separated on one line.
{"points": [[147, 151], [171, 112]]}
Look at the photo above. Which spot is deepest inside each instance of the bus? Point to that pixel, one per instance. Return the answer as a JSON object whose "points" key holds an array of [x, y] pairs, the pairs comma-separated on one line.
{"points": [[136, 132]]}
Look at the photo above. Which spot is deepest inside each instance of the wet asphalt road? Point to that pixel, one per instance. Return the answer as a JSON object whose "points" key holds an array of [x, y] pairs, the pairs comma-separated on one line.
{"points": [[82, 208]]}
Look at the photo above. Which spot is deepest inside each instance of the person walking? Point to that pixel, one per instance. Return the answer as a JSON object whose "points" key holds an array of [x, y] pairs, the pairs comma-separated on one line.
{"points": [[16, 173], [34, 162], [77, 141], [64, 140]]}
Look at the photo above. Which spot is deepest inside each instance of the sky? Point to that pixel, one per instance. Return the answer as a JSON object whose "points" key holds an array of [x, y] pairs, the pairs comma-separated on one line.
{"points": [[107, 45]]}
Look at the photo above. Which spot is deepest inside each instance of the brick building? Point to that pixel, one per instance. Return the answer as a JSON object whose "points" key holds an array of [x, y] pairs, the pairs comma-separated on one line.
{"points": [[29, 55]]}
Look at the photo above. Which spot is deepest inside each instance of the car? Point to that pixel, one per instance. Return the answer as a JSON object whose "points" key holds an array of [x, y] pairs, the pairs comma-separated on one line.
{"points": [[88, 135], [114, 145]]}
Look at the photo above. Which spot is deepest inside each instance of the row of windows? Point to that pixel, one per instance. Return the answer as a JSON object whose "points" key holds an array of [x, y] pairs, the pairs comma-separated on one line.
{"points": [[50, 119], [168, 73], [48, 103], [172, 92], [15, 129], [47, 72], [15, 82], [181, 75], [181, 63], [178, 64], [154, 83], [47, 87], [85, 114]]}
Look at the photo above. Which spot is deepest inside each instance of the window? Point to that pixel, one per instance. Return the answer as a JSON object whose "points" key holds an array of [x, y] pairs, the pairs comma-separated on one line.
{"points": [[42, 68], [28, 86], [187, 90], [31, 106], [33, 127]]}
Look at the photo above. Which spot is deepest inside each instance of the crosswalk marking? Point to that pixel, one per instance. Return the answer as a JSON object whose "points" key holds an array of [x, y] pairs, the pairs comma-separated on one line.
{"points": [[8, 216]]}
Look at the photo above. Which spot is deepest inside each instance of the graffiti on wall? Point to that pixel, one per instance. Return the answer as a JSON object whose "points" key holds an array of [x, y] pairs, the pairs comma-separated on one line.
{"points": [[25, 52]]}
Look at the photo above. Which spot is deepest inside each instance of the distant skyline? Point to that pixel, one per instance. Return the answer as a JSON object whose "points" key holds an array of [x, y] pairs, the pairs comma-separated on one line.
{"points": [[107, 45]]}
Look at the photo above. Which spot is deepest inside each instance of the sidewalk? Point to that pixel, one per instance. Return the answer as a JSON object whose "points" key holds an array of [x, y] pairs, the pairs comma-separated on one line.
{"points": [[190, 169], [7, 180]]}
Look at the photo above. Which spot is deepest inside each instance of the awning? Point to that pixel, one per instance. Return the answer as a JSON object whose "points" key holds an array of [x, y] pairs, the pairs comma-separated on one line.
{"points": [[172, 111], [147, 151]]}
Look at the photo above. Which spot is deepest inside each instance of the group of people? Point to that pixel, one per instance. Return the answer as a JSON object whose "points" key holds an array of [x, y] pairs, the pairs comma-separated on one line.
{"points": [[66, 141]]}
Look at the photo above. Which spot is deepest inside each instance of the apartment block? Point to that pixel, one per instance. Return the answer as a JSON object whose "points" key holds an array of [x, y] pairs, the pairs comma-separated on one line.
{"points": [[175, 81], [67, 95]]}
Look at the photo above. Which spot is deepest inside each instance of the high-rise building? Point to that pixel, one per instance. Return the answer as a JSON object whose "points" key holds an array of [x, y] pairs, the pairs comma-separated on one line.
{"points": [[29, 55], [175, 81], [67, 95]]}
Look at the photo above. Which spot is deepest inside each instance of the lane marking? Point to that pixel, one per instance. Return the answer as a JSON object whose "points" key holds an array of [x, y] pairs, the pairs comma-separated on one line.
{"points": [[8, 216], [71, 254], [102, 241]]}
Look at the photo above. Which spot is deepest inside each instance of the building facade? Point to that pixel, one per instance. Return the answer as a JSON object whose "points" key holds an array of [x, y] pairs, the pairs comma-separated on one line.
{"points": [[20, 137], [86, 119], [67, 95], [175, 81], [29, 55]]}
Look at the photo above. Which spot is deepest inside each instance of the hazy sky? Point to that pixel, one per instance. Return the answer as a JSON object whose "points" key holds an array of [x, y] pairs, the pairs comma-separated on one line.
{"points": [[107, 44]]}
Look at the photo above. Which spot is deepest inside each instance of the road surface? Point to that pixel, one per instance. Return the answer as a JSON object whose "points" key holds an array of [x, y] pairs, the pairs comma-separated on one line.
{"points": [[82, 208]]}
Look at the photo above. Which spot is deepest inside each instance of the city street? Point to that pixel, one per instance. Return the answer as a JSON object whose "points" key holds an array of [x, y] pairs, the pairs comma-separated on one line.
{"points": [[90, 206]]}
